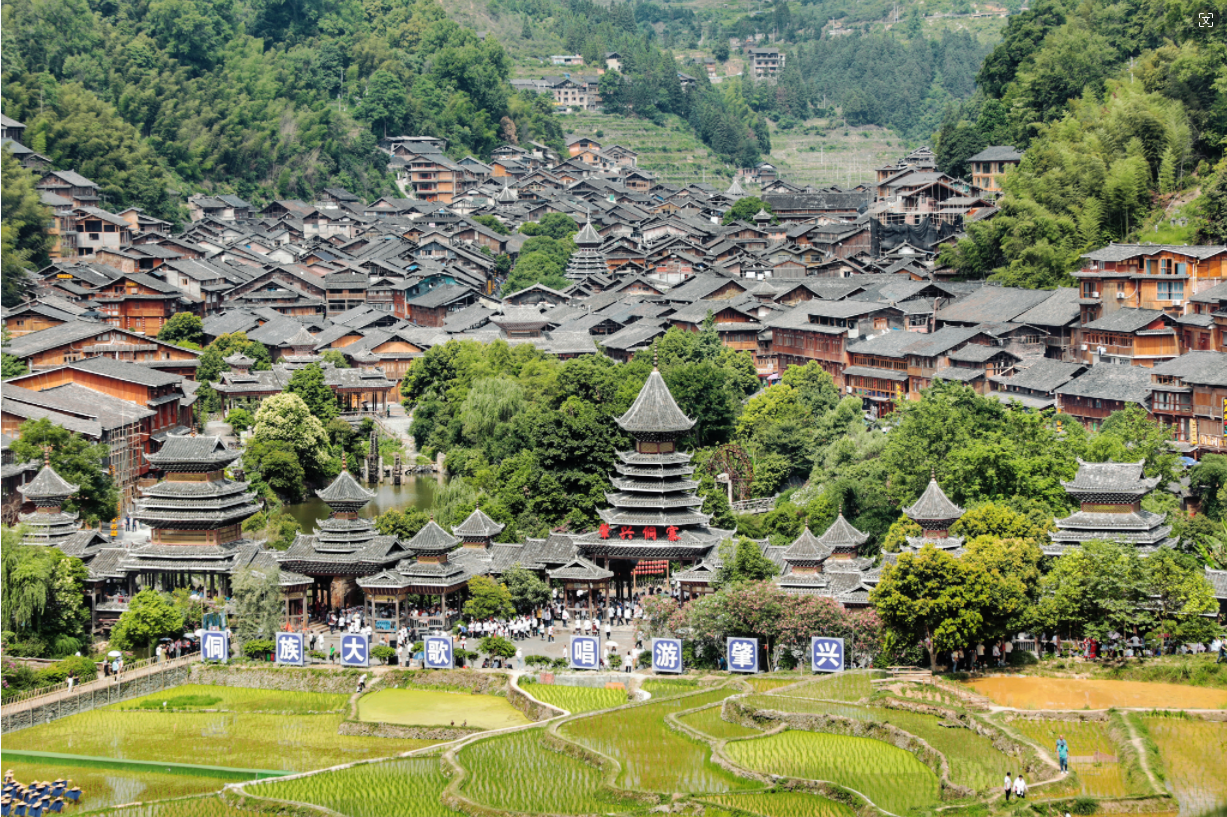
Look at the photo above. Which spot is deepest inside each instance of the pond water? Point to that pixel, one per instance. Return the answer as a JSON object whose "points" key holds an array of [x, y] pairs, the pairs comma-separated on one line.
{"points": [[417, 491]]}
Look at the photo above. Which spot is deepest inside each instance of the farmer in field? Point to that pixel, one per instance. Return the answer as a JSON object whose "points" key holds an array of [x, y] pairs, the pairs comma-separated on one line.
{"points": [[1063, 753], [1009, 786], [1020, 787]]}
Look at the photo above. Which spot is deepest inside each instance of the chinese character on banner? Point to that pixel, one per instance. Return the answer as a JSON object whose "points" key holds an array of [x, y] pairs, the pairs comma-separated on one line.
{"points": [[671, 531], [289, 649], [827, 654], [667, 654], [215, 647], [438, 652], [604, 531], [743, 654], [627, 532], [585, 652], [355, 650], [649, 533]]}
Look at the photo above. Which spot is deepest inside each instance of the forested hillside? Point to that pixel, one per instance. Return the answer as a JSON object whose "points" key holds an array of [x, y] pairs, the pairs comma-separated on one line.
{"points": [[259, 97], [877, 79], [1122, 111]]}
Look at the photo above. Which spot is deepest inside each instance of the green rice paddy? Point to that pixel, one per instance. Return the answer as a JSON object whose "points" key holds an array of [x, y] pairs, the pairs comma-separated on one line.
{"points": [[665, 688], [238, 699], [516, 772], [843, 686], [1188, 748], [408, 787], [709, 722], [760, 683], [103, 788], [890, 777], [432, 707], [576, 699], [1094, 778], [783, 804], [211, 806], [653, 756], [974, 761], [296, 743]]}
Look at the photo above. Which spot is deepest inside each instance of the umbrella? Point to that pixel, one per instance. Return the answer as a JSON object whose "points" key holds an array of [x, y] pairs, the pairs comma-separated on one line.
{"points": [[165, 639], [114, 654], [611, 645]]}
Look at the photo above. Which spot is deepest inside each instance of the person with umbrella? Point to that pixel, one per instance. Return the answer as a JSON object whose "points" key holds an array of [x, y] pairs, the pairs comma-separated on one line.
{"points": [[116, 662]]}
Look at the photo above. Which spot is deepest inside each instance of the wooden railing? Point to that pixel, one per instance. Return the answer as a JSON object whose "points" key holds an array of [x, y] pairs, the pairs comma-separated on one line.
{"points": [[33, 695], [754, 505]]}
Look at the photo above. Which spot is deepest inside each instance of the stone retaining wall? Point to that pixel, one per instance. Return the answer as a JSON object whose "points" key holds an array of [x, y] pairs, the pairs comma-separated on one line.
{"points": [[396, 731], [88, 699], [286, 679], [486, 683]]}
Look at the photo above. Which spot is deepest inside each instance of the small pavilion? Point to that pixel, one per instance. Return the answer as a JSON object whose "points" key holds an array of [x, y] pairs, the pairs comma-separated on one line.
{"points": [[581, 574], [935, 514]]}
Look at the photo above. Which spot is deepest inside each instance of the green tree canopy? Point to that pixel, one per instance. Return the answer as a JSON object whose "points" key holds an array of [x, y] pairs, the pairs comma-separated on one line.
{"points": [[76, 460], [286, 418], [150, 615], [488, 599], [308, 383], [746, 209], [183, 327]]}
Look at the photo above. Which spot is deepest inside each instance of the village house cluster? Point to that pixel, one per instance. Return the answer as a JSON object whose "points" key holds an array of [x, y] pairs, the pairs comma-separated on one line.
{"points": [[845, 277]]}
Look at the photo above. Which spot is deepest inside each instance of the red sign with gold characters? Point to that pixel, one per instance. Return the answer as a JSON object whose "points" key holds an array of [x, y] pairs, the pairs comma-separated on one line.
{"points": [[628, 532]]}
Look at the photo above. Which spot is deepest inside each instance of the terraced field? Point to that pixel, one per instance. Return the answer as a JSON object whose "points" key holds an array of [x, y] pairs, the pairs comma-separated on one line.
{"points": [[1189, 749], [783, 804], [576, 699], [709, 722], [1099, 777], [892, 778], [653, 756], [974, 761], [516, 772], [392, 788]]}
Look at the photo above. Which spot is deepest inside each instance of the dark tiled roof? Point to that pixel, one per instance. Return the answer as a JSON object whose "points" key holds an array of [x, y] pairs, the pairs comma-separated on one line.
{"points": [[1125, 320], [580, 569], [655, 410], [47, 484], [1108, 381], [997, 153], [478, 524], [933, 505], [1110, 477], [808, 548], [432, 539], [346, 491]]}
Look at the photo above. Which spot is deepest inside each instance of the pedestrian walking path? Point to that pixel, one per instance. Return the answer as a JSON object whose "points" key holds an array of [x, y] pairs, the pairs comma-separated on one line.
{"points": [[63, 693]]}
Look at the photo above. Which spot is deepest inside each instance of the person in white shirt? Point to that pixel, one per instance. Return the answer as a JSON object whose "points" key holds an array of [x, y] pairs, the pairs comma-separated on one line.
{"points": [[1009, 783], [1020, 787]]}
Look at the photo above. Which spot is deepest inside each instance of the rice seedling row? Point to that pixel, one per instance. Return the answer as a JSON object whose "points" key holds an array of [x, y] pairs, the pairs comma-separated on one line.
{"points": [[1188, 748], [408, 787], [434, 707], [296, 743], [238, 699], [576, 699], [974, 761], [843, 686], [892, 778], [783, 804], [709, 722], [103, 788], [653, 756], [1085, 738], [516, 772], [759, 683], [213, 806], [665, 688]]}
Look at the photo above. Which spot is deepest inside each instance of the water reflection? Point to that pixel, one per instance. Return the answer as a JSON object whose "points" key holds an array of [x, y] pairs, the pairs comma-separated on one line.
{"points": [[417, 490]]}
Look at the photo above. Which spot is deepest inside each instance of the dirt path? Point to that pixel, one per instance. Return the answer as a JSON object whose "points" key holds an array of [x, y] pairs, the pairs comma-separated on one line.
{"points": [[1143, 759]]}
